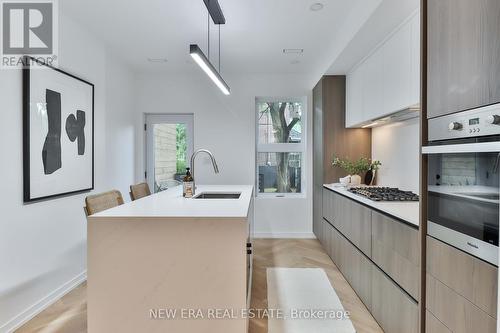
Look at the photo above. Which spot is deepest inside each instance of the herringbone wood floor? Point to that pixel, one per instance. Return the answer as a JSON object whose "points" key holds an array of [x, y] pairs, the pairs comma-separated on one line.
{"points": [[69, 314]]}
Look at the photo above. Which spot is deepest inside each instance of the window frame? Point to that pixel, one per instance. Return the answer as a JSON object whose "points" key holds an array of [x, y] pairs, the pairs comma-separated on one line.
{"points": [[165, 118], [282, 147]]}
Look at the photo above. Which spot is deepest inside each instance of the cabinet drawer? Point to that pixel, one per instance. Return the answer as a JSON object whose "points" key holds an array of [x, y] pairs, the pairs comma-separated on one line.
{"points": [[329, 206], [454, 311], [466, 275], [360, 274], [342, 211], [393, 309], [360, 227], [433, 325], [353, 220], [355, 267], [326, 240], [395, 250]]}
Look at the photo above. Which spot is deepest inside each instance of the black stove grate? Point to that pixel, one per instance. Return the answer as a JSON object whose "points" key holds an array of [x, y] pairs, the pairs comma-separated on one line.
{"points": [[384, 193]]}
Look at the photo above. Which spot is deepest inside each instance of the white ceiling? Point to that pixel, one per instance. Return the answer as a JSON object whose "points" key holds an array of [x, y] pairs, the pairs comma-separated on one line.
{"points": [[253, 38], [386, 17]]}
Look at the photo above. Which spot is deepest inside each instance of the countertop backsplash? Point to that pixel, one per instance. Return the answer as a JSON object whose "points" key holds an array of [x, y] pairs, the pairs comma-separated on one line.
{"points": [[397, 147]]}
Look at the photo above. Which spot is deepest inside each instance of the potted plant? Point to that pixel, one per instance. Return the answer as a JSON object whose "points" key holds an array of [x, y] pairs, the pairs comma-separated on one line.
{"points": [[356, 168]]}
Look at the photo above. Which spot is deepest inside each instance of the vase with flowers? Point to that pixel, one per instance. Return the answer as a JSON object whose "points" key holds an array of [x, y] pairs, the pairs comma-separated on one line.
{"points": [[356, 168]]}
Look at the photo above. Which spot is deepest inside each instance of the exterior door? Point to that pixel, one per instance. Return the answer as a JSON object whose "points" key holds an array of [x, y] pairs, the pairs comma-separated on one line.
{"points": [[169, 146]]}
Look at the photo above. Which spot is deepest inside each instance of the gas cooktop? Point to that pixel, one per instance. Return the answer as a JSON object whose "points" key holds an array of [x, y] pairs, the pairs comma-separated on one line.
{"points": [[384, 193]]}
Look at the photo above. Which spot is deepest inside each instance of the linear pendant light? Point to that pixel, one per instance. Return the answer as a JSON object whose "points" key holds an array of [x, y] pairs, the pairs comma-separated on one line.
{"points": [[205, 64], [199, 57]]}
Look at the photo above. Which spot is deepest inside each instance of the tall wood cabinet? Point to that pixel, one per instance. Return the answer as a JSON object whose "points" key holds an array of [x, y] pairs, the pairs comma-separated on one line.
{"points": [[330, 137], [463, 46]]}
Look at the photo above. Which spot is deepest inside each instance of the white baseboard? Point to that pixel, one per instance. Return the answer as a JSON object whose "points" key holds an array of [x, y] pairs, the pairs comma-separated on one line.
{"points": [[302, 235], [42, 304]]}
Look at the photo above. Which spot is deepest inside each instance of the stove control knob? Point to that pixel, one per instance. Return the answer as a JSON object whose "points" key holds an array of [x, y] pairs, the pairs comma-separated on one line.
{"points": [[455, 126], [493, 119]]}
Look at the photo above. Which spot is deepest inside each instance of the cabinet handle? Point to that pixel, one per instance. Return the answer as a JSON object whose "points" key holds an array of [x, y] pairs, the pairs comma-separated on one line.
{"points": [[249, 251]]}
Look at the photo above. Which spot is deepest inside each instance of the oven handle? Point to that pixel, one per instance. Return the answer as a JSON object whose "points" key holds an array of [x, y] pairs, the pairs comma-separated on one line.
{"points": [[480, 147]]}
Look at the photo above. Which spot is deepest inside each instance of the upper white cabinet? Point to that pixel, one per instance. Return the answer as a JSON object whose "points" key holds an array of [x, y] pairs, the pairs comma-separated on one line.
{"points": [[373, 91], [415, 59], [388, 80], [354, 96]]}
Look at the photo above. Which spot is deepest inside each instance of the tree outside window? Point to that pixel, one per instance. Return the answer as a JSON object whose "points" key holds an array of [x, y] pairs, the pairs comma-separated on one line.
{"points": [[280, 146]]}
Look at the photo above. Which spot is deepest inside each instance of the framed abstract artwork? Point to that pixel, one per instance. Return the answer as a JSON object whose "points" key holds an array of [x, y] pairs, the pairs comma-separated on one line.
{"points": [[58, 133]]}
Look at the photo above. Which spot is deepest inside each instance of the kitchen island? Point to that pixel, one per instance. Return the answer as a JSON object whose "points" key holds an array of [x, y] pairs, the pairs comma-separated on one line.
{"points": [[165, 263]]}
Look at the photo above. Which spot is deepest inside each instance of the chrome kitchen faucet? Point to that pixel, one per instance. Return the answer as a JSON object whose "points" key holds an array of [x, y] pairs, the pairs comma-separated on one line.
{"points": [[212, 158]]}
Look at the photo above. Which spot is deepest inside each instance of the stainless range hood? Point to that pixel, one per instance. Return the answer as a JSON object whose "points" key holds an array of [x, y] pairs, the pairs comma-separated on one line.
{"points": [[398, 116]]}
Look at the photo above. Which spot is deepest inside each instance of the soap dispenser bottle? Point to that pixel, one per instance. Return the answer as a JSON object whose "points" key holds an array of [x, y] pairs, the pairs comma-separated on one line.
{"points": [[187, 184]]}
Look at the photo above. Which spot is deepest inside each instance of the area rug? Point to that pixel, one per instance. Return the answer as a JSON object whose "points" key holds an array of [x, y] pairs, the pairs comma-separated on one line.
{"points": [[302, 300]]}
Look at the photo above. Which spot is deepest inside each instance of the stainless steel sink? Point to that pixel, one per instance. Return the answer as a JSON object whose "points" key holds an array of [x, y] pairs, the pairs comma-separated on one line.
{"points": [[218, 195]]}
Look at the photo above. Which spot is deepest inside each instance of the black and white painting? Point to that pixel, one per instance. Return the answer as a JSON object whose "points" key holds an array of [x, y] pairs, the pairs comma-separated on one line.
{"points": [[58, 133]]}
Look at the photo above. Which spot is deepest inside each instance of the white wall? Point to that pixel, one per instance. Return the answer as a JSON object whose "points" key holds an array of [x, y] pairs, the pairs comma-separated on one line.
{"points": [[226, 126], [43, 245], [397, 147]]}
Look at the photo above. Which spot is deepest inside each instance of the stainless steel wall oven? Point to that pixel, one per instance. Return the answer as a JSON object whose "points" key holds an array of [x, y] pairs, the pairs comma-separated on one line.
{"points": [[463, 181]]}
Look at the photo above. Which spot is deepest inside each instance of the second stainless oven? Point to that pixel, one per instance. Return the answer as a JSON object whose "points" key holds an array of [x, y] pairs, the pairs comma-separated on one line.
{"points": [[463, 181]]}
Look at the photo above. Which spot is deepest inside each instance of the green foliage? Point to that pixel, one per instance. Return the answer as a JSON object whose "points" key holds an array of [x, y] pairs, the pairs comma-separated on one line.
{"points": [[356, 167], [181, 148], [181, 166]]}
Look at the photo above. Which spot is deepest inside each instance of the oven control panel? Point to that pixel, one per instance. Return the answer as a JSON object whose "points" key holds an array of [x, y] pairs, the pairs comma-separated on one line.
{"points": [[471, 123]]}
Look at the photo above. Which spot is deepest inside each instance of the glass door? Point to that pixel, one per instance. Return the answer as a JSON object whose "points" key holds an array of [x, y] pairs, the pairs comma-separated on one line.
{"points": [[169, 146]]}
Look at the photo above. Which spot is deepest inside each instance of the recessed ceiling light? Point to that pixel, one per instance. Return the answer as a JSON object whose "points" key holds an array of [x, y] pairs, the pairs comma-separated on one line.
{"points": [[316, 6], [293, 51], [157, 60]]}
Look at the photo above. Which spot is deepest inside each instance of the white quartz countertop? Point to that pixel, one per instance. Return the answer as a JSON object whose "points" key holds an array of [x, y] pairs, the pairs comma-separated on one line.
{"points": [[171, 203], [407, 211]]}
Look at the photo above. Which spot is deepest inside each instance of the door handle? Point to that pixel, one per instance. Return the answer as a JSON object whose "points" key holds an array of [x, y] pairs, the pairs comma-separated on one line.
{"points": [[481, 147]]}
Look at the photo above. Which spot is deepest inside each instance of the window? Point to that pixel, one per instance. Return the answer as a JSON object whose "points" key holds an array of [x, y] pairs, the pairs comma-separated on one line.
{"points": [[280, 146], [169, 146]]}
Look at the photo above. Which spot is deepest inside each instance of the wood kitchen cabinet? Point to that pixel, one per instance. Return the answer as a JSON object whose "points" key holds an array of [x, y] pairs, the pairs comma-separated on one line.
{"points": [[455, 311], [360, 276], [393, 309], [433, 325], [355, 267], [360, 227], [350, 218], [342, 207], [330, 137], [395, 249], [329, 209], [378, 256], [465, 275], [463, 68]]}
